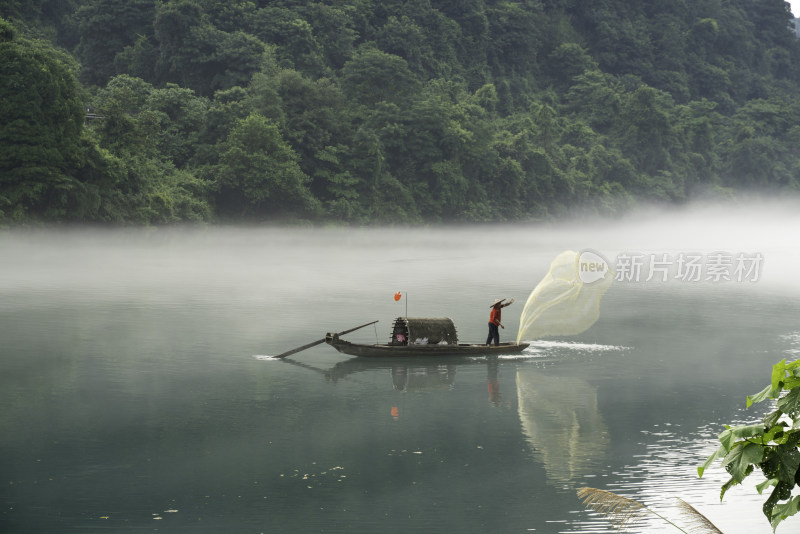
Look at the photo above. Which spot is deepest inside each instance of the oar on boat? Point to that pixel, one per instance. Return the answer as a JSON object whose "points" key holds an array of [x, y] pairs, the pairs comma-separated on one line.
{"points": [[319, 341]]}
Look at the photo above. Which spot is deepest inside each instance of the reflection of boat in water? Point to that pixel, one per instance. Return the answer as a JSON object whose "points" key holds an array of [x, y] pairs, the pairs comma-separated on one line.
{"points": [[421, 337], [412, 373], [562, 422], [408, 374], [410, 378]]}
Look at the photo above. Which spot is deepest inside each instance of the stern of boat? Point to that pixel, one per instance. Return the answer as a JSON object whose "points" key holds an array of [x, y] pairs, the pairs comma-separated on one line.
{"points": [[332, 338]]}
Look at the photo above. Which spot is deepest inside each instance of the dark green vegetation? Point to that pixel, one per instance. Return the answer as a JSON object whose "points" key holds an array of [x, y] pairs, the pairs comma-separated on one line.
{"points": [[773, 446], [389, 111]]}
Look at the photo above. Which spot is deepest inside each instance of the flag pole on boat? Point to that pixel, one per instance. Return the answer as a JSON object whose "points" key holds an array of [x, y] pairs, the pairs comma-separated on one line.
{"points": [[398, 296]]}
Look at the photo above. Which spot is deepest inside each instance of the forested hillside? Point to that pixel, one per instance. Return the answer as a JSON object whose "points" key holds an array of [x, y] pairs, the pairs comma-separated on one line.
{"points": [[388, 111]]}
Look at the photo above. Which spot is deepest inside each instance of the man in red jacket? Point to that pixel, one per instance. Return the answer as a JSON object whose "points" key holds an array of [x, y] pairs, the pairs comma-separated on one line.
{"points": [[494, 321]]}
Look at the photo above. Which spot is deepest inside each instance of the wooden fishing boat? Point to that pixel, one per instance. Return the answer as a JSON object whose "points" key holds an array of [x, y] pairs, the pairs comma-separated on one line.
{"points": [[460, 349], [413, 336]]}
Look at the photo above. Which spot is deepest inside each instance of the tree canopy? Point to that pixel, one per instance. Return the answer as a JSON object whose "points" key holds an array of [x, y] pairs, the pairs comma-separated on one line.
{"points": [[403, 111]]}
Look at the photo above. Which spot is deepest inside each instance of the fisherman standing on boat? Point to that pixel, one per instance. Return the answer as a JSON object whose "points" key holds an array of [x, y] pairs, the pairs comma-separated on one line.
{"points": [[494, 321]]}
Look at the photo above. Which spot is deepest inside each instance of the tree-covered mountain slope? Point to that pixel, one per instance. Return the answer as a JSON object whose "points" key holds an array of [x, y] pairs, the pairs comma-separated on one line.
{"points": [[368, 111]]}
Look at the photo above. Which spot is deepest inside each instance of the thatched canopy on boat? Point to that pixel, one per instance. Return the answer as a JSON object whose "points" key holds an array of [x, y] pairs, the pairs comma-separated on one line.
{"points": [[415, 330]]}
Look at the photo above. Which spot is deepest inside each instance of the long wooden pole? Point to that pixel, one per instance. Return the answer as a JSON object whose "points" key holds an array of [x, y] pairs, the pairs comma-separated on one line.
{"points": [[319, 341]]}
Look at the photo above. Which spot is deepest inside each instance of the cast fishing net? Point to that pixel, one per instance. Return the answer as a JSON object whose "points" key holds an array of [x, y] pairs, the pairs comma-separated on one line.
{"points": [[562, 304]]}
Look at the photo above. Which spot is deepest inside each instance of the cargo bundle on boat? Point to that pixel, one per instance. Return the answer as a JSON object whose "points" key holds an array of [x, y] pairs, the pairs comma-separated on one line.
{"points": [[419, 331]]}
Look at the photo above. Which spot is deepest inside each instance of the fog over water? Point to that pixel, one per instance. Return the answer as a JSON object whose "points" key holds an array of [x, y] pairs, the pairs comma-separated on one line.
{"points": [[131, 383], [281, 262]]}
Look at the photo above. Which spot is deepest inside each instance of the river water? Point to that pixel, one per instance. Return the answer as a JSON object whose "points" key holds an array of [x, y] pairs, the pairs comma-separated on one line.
{"points": [[137, 391]]}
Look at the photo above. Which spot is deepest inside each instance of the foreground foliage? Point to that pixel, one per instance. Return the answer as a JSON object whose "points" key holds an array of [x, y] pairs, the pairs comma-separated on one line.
{"points": [[396, 111], [772, 446], [623, 512]]}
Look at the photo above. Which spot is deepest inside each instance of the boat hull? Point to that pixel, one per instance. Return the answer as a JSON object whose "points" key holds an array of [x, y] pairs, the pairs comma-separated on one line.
{"points": [[461, 349]]}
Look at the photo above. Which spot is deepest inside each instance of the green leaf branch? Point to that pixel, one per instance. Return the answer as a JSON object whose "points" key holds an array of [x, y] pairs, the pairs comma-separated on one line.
{"points": [[772, 445]]}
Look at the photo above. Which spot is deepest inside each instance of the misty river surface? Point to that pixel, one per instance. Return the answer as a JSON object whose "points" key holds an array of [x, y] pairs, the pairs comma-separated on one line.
{"points": [[137, 392]]}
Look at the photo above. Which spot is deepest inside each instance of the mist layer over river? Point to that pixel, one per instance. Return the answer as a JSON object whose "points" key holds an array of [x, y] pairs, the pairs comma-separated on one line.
{"points": [[135, 391]]}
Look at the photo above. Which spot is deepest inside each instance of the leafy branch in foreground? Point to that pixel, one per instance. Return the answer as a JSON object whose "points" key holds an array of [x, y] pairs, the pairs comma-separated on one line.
{"points": [[623, 512], [772, 445]]}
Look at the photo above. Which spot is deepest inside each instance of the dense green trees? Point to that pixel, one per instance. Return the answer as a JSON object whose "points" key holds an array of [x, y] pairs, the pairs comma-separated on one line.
{"points": [[49, 168], [258, 172], [396, 111]]}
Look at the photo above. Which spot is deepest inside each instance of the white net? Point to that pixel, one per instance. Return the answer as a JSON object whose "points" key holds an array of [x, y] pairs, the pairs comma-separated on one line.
{"points": [[563, 304]]}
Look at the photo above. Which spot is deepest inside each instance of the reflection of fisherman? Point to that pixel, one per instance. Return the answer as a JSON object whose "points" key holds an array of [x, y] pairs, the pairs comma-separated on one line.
{"points": [[494, 321], [494, 383]]}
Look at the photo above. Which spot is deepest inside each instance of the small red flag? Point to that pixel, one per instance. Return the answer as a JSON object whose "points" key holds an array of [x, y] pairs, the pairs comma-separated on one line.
{"points": [[398, 296]]}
